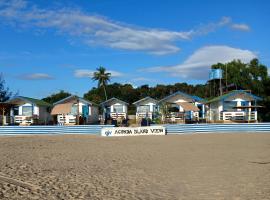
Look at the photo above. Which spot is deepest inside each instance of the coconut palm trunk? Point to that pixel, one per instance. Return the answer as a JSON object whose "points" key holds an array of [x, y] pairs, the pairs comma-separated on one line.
{"points": [[104, 88]]}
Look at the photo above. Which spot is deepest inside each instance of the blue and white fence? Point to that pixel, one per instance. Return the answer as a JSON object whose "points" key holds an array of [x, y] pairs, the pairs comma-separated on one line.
{"points": [[217, 128], [170, 129], [23, 130]]}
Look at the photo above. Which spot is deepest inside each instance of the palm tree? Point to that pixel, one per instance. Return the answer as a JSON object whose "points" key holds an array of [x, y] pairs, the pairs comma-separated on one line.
{"points": [[164, 111], [102, 77]]}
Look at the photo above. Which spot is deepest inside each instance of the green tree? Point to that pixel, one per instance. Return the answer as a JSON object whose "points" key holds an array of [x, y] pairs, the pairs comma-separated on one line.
{"points": [[103, 78], [247, 76], [5, 93], [56, 97]]}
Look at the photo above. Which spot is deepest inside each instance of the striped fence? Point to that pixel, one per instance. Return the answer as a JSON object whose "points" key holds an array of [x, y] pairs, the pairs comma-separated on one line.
{"points": [[28, 130], [170, 129], [217, 128]]}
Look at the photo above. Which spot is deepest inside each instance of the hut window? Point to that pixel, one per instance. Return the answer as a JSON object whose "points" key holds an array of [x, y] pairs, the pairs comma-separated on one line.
{"points": [[118, 108], [173, 109], [16, 111], [244, 103], [229, 105], [144, 109], [27, 110], [74, 109]]}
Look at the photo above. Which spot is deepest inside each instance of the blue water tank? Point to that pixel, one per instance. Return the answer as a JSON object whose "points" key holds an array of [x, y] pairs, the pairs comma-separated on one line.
{"points": [[215, 74]]}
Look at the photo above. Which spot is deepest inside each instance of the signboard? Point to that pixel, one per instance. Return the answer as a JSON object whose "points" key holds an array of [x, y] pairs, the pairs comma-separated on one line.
{"points": [[133, 131], [215, 74]]}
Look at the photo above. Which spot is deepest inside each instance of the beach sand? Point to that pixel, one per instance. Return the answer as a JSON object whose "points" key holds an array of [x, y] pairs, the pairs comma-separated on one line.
{"points": [[199, 166]]}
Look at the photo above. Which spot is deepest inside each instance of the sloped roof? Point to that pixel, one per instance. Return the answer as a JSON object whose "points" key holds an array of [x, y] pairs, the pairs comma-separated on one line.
{"points": [[187, 96], [232, 94], [112, 101], [188, 106], [75, 98], [145, 99], [37, 102], [64, 108]]}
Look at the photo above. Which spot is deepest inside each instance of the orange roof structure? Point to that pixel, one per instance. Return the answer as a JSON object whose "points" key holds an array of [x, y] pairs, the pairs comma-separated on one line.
{"points": [[188, 106]]}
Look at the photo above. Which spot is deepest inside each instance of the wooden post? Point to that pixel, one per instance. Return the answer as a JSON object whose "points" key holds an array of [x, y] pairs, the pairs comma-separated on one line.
{"points": [[78, 112], [3, 120]]}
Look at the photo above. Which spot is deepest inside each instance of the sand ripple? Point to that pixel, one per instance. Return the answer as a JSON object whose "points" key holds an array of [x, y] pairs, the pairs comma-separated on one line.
{"points": [[203, 166]]}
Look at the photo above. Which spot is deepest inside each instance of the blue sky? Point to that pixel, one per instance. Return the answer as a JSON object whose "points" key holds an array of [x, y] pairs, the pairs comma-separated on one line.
{"points": [[46, 46]]}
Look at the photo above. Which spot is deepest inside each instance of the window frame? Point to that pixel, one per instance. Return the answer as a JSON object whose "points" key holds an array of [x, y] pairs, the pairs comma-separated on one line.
{"points": [[23, 112]]}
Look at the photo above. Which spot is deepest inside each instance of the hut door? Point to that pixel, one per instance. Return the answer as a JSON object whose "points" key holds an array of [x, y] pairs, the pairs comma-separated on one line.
{"points": [[85, 111]]}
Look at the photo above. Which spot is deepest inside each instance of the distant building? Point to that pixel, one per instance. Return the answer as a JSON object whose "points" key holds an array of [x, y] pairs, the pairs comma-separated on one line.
{"points": [[26, 111], [114, 109], [181, 107], [75, 110], [146, 108], [237, 105]]}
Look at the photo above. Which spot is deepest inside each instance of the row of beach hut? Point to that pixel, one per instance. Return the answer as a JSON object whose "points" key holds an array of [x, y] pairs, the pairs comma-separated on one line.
{"points": [[238, 106]]}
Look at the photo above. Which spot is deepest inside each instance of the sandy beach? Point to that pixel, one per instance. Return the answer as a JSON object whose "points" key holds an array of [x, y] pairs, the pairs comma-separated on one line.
{"points": [[202, 166]]}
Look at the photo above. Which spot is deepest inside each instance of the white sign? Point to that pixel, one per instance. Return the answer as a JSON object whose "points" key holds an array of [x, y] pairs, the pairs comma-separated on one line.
{"points": [[133, 131]]}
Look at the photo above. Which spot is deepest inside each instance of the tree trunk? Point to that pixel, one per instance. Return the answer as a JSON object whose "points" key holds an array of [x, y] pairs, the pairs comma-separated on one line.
{"points": [[105, 92]]}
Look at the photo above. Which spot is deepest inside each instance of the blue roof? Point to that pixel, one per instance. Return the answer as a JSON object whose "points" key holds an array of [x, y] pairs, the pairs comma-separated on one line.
{"points": [[197, 98], [113, 100], [232, 93]]}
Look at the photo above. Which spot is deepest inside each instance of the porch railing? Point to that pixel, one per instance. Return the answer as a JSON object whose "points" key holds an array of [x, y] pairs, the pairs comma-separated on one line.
{"points": [[21, 119], [141, 115], [66, 119], [238, 116], [118, 115]]}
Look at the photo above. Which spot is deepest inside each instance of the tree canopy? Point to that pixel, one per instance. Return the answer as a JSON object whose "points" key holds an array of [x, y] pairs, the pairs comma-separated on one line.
{"points": [[103, 78], [5, 93], [248, 76], [56, 97]]}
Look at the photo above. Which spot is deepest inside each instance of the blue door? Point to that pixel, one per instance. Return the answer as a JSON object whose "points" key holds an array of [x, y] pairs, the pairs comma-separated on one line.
{"points": [[85, 110]]}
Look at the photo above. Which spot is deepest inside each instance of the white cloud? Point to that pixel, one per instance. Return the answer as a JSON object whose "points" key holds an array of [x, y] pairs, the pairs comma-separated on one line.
{"points": [[36, 76], [196, 66], [97, 30], [85, 73], [142, 79], [240, 27]]}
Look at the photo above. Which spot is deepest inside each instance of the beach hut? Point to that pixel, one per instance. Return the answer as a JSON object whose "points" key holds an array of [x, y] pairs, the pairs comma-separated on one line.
{"points": [[237, 106], [180, 107], [145, 108], [75, 110], [26, 111], [114, 109]]}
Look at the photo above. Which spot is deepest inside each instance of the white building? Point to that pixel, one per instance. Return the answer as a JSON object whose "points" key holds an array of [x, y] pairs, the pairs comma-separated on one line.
{"points": [[26, 111], [75, 110], [114, 109], [146, 108], [181, 107], [238, 106]]}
